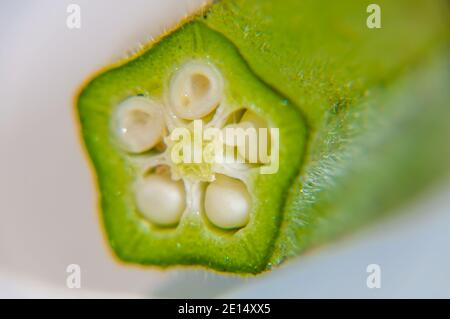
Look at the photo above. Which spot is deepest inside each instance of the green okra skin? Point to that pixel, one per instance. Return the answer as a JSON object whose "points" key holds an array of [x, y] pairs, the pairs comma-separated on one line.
{"points": [[375, 105], [395, 144], [349, 102], [321, 53]]}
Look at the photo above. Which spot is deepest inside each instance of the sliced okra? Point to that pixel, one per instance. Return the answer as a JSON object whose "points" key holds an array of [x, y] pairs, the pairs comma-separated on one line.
{"points": [[163, 206], [232, 68]]}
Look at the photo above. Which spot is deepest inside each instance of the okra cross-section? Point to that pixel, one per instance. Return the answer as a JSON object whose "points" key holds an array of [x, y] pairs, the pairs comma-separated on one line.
{"points": [[193, 154]]}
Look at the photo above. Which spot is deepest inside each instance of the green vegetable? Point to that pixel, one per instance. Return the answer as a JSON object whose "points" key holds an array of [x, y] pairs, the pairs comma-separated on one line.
{"points": [[354, 139], [143, 204]]}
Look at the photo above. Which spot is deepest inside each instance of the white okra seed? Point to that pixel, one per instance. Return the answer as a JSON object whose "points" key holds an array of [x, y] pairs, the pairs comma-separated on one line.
{"points": [[160, 199], [195, 90], [138, 124], [253, 120], [249, 141], [227, 203]]}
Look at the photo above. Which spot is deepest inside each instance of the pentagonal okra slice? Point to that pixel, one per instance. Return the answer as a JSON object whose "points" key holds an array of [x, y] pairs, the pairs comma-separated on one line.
{"points": [[160, 210]]}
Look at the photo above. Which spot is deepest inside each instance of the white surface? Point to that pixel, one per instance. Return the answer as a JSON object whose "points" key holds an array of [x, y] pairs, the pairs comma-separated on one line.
{"points": [[48, 207], [48, 204]]}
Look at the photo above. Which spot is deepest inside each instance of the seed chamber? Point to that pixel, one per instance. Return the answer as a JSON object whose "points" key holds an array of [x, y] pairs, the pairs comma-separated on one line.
{"points": [[167, 189]]}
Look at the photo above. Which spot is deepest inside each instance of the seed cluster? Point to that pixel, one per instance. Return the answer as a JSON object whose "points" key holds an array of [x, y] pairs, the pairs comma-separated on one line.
{"points": [[166, 190]]}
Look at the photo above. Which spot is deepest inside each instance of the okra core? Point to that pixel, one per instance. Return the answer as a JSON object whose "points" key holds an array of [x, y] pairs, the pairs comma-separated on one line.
{"points": [[170, 187]]}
